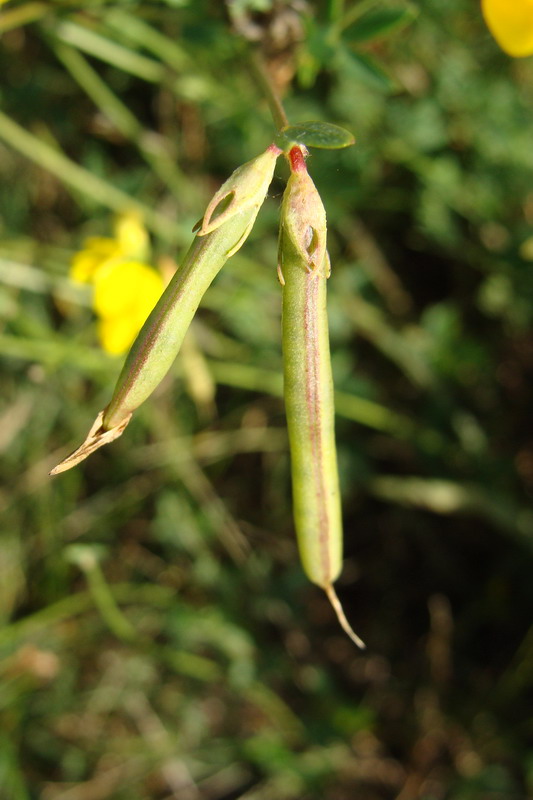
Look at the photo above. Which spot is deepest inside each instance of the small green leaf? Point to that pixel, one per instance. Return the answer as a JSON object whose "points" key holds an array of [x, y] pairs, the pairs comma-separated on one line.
{"points": [[314, 54], [367, 69], [319, 44], [316, 134], [379, 24]]}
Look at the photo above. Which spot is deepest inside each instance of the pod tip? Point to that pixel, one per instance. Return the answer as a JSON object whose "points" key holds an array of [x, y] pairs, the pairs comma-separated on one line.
{"points": [[341, 616], [96, 438]]}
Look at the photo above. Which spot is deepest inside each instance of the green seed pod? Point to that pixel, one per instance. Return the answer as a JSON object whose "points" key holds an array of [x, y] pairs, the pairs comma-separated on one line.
{"points": [[308, 391], [228, 221], [308, 383], [160, 338]]}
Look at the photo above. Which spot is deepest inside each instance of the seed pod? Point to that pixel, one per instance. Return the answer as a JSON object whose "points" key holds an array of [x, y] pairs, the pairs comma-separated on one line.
{"points": [[308, 383], [160, 338], [242, 190]]}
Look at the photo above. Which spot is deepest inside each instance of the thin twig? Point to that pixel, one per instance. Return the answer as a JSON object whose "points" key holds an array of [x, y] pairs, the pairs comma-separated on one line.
{"points": [[265, 82]]}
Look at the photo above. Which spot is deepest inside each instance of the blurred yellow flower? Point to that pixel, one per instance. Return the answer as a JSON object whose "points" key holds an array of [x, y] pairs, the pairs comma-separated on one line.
{"points": [[131, 235], [125, 288], [96, 252], [511, 24]]}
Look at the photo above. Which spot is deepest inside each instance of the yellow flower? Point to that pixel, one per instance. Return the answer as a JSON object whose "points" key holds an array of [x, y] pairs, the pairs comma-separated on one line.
{"points": [[125, 288], [131, 235], [511, 24], [96, 252], [124, 294]]}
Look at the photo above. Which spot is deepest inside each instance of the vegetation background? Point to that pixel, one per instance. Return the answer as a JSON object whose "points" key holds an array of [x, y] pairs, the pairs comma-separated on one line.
{"points": [[158, 637]]}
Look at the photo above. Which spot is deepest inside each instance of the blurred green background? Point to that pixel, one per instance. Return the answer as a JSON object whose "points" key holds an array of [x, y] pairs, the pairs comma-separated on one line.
{"points": [[158, 638]]}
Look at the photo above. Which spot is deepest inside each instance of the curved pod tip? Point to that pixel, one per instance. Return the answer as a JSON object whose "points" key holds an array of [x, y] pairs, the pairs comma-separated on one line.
{"points": [[96, 438], [341, 616], [246, 187]]}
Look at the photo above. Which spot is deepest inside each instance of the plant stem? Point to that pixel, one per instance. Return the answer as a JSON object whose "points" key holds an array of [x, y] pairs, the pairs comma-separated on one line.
{"points": [[148, 142], [335, 10], [86, 183], [353, 14], [106, 49], [79, 603], [106, 604], [23, 15], [269, 90]]}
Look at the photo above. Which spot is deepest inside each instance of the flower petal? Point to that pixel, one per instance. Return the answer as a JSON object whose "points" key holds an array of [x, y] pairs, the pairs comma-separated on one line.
{"points": [[117, 333], [126, 288], [511, 24], [96, 251], [131, 235]]}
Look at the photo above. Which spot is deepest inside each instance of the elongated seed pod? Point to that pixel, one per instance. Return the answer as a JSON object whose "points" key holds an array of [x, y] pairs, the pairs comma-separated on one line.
{"points": [[160, 338], [308, 392], [308, 383], [226, 224]]}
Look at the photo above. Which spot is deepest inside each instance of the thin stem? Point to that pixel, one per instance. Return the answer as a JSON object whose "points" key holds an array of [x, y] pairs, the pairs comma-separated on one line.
{"points": [[107, 50], [79, 603], [80, 179], [104, 600], [23, 15], [335, 10], [353, 14], [267, 86], [112, 106]]}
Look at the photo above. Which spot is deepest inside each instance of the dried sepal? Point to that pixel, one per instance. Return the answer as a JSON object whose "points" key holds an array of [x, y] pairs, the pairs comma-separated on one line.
{"points": [[97, 437]]}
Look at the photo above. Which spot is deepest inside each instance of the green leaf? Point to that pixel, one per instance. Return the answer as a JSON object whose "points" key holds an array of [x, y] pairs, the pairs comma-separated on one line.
{"points": [[315, 53], [316, 134], [379, 24], [367, 70]]}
